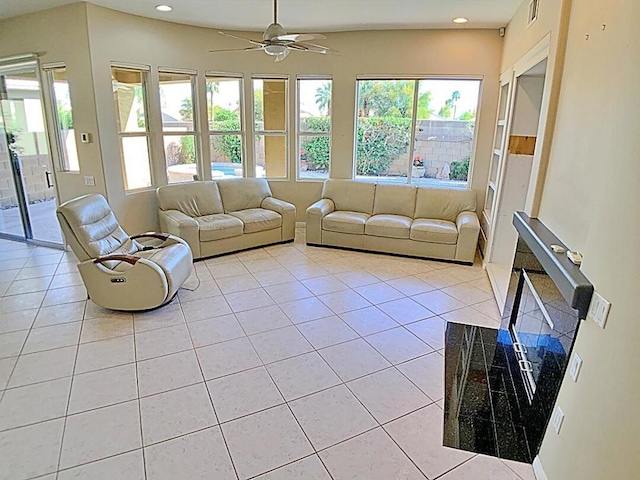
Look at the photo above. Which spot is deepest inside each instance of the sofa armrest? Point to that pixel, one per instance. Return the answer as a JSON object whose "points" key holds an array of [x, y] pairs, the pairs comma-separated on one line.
{"points": [[468, 231], [177, 223], [315, 213], [288, 213]]}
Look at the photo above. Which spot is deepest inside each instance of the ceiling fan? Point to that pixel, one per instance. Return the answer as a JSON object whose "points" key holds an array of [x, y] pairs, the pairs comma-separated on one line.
{"points": [[278, 43]]}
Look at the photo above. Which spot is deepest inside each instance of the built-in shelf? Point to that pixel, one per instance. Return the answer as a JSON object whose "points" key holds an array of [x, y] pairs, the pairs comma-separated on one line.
{"points": [[497, 165]]}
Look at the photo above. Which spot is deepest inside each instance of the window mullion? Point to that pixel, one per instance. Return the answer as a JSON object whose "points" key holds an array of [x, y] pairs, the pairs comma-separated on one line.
{"points": [[412, 138]]}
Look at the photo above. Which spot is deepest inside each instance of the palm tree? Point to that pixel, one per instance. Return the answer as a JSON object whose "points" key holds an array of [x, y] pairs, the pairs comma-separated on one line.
{"points": [[455, 96], [323, 97]]}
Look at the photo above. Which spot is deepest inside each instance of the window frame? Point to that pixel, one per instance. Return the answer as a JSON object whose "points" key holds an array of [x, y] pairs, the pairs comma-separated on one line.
{"points": [[417, 78], [242, 131], [195, 132], [145, 75], [52, 103], [300, 133], [275, 133]]}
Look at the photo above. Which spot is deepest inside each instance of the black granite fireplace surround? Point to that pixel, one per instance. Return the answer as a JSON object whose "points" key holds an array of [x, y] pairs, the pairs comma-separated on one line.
{"points": [[501, 384]]}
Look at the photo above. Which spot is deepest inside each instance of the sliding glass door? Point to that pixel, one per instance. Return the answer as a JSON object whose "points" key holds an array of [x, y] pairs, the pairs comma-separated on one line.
{"points": [[27, 192]]}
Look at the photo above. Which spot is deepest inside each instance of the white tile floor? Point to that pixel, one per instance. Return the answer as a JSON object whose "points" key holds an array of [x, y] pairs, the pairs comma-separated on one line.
{"points": [[287, 362]]}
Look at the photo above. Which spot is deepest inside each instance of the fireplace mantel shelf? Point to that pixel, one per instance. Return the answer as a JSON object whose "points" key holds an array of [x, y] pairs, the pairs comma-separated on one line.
{"points": [[574, 286]]}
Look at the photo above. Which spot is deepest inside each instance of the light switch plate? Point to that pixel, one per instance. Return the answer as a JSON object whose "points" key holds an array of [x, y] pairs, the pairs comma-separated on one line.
{"points": [[599, 309], [574, 368], [556, 419]]}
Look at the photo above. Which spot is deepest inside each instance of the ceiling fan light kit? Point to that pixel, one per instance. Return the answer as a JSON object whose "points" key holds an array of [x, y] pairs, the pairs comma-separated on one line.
{"points": [[277, 43]]}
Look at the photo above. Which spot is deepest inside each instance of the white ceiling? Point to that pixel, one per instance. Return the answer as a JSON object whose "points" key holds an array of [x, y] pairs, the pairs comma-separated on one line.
{"points": [[304, 15]]}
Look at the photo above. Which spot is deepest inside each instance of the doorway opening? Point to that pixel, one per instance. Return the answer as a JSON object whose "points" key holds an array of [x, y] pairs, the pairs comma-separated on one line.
{"points": [[28, 197]]}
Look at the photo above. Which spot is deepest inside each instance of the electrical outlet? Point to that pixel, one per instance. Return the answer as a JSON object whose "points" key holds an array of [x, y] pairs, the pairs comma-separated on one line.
{"points": [[556, 420], [574, 368], [90, 181], [599, 309]]}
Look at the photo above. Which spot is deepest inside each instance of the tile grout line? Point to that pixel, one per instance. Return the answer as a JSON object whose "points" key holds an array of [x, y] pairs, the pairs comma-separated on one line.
{"points": [[135, 362], [66, 416], [206, 387]]}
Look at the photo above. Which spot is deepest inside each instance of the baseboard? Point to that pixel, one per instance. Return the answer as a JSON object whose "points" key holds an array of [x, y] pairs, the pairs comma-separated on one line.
{"points": [[538, 471], [301, 224]]}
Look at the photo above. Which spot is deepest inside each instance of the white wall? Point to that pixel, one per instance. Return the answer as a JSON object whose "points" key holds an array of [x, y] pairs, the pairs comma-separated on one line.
{"points": [[590, 200], [118, 37]]}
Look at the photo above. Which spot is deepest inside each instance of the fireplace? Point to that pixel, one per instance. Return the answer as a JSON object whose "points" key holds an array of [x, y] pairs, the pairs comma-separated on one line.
{"points": [[501, 384]]}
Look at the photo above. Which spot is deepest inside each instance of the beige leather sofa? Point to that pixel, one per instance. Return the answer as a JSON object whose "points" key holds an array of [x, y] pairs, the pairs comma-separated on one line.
{"points": [[121, 272], [418, 221], [223, 216]]}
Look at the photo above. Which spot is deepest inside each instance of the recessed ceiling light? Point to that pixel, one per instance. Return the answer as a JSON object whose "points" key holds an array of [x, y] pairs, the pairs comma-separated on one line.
{"points": [[164, 8], [460, 20]]}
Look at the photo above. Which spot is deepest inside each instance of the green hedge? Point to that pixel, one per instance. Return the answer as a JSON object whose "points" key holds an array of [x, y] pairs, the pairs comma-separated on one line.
{"points": [[460, 170], [380, 141]]}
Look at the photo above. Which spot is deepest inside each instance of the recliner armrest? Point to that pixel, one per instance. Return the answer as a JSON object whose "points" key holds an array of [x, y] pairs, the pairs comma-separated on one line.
{"points": [[322, 207], [166, 239]]}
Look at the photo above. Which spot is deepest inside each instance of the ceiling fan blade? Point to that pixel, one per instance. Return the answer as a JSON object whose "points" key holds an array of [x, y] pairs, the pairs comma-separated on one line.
{"points": [[282, 56], [310, 47], [300, 37], [255, 42], [248, 49]]}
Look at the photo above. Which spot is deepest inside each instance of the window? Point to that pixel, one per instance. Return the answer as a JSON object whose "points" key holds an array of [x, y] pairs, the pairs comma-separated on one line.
{"points": [[130, 95], [441, 113], [270, 127], [226, 136], [63, 116], [314, 128], [179, 125]]}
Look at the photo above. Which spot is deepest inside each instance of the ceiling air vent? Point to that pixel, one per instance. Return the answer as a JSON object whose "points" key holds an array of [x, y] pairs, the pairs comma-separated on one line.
{"points": [[532, 13]]}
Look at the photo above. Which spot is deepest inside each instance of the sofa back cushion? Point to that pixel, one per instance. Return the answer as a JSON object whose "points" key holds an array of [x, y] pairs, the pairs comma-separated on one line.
{"points": [[350, 195], [395, 200], [243, 193], [444, 203], [195, 199]]}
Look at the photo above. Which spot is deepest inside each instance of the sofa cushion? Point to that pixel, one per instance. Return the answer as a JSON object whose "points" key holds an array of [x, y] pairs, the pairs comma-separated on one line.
{"points": [[395, 200], [434, 231], [243, 193], [258, 219], [392, 226], [195, 199], [444, 203], [219, 226], [349, 195], [345, 222]]}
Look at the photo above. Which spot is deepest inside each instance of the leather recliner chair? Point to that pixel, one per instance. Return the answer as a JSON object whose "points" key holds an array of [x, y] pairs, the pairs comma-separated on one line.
{"points": [[121, 272]]}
